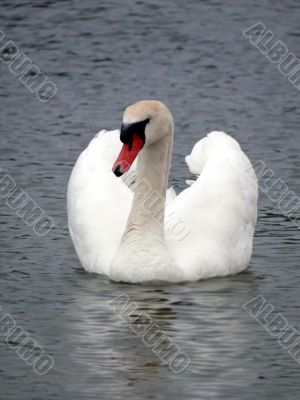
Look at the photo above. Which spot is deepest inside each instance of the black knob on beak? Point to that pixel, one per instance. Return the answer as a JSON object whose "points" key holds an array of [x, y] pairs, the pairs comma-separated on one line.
{"points": [[128, 130]]}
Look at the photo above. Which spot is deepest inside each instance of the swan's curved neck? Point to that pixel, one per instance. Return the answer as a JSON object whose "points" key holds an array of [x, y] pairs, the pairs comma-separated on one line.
{"points": [[148, 207]]}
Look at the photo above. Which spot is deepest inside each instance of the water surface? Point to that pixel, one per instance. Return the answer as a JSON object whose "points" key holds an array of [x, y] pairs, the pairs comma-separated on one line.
{"points": [[103, 56]]}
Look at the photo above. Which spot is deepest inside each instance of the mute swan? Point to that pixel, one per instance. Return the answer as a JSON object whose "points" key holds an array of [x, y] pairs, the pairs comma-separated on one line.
{"points": [[117, 223]]}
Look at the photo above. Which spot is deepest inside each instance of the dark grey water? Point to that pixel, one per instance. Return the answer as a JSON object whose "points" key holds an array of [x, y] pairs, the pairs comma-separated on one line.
{"points": [[102, 56]]}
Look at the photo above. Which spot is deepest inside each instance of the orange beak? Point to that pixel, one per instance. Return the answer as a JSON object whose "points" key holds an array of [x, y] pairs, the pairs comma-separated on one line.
{"points": [[127, 155]]}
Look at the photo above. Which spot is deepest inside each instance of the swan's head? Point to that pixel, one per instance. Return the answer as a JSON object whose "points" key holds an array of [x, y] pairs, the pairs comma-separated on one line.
{"points": [[144, 123]]}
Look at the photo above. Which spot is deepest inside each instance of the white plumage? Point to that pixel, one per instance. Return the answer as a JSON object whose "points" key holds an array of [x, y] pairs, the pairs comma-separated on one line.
{"points": [[209, 226]]}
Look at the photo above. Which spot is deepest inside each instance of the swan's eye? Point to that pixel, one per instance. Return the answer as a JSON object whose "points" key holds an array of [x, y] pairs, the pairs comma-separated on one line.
{"points": [[129, 130]]}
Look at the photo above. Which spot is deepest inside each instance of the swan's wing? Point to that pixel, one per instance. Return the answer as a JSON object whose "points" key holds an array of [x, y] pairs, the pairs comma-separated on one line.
{"points": [[210, 225], [98, 203]]}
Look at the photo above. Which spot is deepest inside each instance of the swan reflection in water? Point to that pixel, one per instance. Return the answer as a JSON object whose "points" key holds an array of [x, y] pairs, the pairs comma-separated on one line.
{"points": [[205, 319]]}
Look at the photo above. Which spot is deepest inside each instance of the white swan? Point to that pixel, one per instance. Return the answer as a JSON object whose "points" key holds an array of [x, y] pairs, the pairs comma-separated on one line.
{"points": [[121, 227]]}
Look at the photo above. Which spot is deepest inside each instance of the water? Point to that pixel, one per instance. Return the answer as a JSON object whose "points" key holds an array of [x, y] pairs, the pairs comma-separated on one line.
{"points": [[103, 56]]}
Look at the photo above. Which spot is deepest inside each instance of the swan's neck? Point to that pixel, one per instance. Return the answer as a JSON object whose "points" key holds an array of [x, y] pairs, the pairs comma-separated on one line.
{"points": [[146, 218]]}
